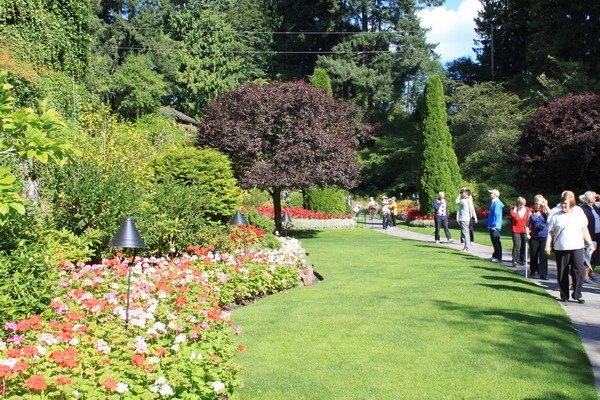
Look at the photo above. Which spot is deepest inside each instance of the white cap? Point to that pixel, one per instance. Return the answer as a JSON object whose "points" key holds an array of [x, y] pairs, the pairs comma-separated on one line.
{"points": [[495, 192]]}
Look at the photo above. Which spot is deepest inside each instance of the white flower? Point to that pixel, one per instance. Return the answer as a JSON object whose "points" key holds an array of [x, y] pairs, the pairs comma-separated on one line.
{"points": [[195, 356], [180, 338], [154, 389], [217, 385], [2, 345], [41, 349], [75, 393], [166, 390], [74, 342], [175, 347], [153, 360], [122, 387], [160, 381]]}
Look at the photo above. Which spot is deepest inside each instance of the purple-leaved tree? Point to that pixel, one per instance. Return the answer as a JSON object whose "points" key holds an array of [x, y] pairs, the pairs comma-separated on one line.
{"points": [[284, 135]]}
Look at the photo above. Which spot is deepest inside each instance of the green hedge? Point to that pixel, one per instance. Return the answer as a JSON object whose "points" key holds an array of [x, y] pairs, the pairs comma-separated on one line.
{"points": [[327, 200]]}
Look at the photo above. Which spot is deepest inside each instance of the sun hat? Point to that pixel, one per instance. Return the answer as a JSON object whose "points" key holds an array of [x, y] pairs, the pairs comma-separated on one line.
{"points": [[495, 192]]}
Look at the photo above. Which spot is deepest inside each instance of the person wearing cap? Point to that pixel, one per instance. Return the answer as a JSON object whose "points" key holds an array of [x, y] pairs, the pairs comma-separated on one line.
{"points": [[441, 217], [465, 213], [568, 235], [494, 224]]}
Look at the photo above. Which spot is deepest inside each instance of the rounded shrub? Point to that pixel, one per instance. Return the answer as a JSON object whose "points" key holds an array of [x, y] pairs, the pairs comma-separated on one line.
{"points": [[326, 200]]}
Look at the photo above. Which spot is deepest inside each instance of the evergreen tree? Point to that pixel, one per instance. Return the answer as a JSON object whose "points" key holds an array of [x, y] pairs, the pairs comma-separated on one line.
{"points": [[439, 165], [320, 79]]}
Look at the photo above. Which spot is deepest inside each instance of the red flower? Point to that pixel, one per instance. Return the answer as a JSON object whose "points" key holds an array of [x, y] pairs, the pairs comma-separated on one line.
{"points": [[20, 366], [37, 383], [74, 316], [138, 360], [181, 300], [241, 347], [65, 358], [5, 371], [63, 380], [110, 384]]}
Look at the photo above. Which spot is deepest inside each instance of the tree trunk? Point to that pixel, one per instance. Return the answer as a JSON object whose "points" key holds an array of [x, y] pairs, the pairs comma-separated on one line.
{"points": [[276, 195]]}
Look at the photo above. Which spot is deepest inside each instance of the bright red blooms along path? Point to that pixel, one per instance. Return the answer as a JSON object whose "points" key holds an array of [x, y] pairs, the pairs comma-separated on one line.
{"points": [[300, 213]]}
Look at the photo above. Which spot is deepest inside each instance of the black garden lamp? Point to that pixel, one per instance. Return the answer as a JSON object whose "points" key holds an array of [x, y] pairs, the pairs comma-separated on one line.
{"points": [[128, 237], [239, 220], [286, 222]]}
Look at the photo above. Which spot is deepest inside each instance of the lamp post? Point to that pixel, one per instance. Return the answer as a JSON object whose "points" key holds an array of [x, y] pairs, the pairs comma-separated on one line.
{"points": [[128, 237], [286, 221], [238, 219]]}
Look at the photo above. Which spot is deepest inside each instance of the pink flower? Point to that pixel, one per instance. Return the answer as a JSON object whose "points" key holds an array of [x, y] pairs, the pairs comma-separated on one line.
{"points": [[10, 326], [15, 339]]}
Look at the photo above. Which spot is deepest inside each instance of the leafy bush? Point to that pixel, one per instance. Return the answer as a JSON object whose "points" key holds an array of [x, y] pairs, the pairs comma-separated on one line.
{"points": [[296, 199], [255, 198], [327, 200], [87, 198], [260, 221], [209, 171]]}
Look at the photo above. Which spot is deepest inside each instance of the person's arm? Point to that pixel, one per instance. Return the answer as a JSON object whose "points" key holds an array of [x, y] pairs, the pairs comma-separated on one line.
{"points": [[587, 239], [457, 201]]}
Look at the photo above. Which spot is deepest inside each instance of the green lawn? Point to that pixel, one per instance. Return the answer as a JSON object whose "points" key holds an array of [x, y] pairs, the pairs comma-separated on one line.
{"points": [[396, 319]]}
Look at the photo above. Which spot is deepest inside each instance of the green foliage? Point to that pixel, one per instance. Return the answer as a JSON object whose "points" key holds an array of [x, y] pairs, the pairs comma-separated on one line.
{"points": [[84, 198], [260, 221], [163, 132], [296, 199], [485, 122], [326, 200], [137, 87], [255, 198], [439, 165], [209, 171], [320, 79]]}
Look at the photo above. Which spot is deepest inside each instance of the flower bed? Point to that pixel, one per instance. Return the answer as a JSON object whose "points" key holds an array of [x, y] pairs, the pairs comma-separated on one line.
{"points": [[334, 223], [179, 341], [300, 213]]}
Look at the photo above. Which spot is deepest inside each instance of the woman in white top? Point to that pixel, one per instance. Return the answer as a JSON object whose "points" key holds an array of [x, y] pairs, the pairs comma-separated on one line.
{"points": [[465, 211], [568, 235]]}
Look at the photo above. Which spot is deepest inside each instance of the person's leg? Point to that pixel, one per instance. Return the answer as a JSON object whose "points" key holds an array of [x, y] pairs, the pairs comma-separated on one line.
{"points": [[471, 230], [562, 268], [534, 255], [436, 221], [444, 222], [522, 254], [577, 268], [543, 259], [495, 237], [516, 249], [464, 231]]}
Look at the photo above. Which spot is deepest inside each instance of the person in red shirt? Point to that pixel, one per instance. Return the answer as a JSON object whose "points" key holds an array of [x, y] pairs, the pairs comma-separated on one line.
{"points": [[519, 217]]}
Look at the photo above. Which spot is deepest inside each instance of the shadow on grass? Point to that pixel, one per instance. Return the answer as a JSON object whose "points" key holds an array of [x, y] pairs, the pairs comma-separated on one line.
{"points": [[535, 339], [503, 278], [519, 289], [304, 233]]}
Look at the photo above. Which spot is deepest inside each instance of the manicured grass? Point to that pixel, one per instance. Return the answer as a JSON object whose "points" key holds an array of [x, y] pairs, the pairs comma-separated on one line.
{"points": [[396, 319]]}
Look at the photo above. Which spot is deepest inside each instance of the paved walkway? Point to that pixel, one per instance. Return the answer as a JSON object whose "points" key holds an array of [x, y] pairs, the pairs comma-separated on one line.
{"points": [[585, 318]]}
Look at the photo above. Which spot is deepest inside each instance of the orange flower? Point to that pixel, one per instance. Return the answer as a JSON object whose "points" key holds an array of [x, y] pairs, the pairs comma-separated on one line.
{"points": [[138, 360], [241, 347], [20, 366], [37, 383], [65, 358], [63, 380], [109, 384], [5, 371], [181, 300]]}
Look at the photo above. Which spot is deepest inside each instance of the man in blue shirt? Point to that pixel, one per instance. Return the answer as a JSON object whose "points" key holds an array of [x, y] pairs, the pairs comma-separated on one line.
{"points": [[494, 224]]}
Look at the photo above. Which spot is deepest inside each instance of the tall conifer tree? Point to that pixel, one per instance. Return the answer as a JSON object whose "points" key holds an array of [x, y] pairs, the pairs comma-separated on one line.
{"points": [[439, 165]]}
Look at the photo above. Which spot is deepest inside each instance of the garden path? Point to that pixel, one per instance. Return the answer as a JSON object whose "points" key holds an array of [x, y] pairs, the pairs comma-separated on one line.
{"points": [[585, 318]]}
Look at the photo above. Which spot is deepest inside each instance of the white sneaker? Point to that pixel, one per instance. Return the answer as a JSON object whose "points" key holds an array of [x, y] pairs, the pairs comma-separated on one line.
{"points": [[437, 241], [494, 260], [450, 240]]}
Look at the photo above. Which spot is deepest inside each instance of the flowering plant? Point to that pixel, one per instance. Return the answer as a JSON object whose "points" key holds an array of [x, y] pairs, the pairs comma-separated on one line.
{"points": [[179, 339], [298, 212]]}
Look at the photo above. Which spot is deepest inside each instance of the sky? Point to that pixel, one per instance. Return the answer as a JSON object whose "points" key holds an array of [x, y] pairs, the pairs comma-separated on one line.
{"points": [[452, 27]]}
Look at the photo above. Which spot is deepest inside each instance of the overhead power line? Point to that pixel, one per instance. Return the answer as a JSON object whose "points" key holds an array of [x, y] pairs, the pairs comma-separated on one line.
{"points": [[257, 52]]}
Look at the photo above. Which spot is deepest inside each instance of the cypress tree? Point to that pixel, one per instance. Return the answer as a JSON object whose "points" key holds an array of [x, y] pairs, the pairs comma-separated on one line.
{"points": [[320, 79], [439, 165]]}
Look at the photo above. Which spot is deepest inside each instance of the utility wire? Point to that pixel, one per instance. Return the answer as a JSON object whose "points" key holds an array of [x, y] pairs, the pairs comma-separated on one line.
{"points": [[258, 52]]}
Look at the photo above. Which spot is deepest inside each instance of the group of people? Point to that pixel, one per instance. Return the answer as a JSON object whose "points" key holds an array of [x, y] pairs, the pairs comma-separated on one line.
{"points": [[572, 231]]}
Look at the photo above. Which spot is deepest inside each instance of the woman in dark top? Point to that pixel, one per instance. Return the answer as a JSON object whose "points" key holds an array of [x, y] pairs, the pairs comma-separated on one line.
{"points": [[538, 228], [592, 212]]}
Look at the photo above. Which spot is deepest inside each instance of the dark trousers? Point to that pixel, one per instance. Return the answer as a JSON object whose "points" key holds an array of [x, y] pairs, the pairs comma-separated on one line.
{"points": [[495, 237], [386, 221], [570, 261], [518, 250], [441, 221], [537, 255], [393, 219]]}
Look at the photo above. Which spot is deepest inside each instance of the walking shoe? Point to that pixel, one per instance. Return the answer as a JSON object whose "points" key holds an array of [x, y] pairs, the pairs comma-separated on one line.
{"points": [[450, 240], [494, 260], [543, 277], [588, 281], [437, 241]]}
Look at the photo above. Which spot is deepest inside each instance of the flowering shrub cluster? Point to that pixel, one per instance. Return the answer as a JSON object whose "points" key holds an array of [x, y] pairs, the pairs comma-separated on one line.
{"points": [[412, 213], [300, 213], [179, 339]]}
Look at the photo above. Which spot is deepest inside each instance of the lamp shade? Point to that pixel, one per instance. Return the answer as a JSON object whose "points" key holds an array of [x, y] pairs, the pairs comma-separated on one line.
{"points": [[286, 218], [238, 219], [128, 236]]}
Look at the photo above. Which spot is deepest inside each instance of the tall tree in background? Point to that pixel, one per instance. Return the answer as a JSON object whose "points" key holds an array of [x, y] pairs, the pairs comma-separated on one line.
{"points": [[283, 135], [439, 165]]}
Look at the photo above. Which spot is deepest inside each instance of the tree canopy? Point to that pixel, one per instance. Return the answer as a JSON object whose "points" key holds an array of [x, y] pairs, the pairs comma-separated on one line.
{"points": [[283, 135]]}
